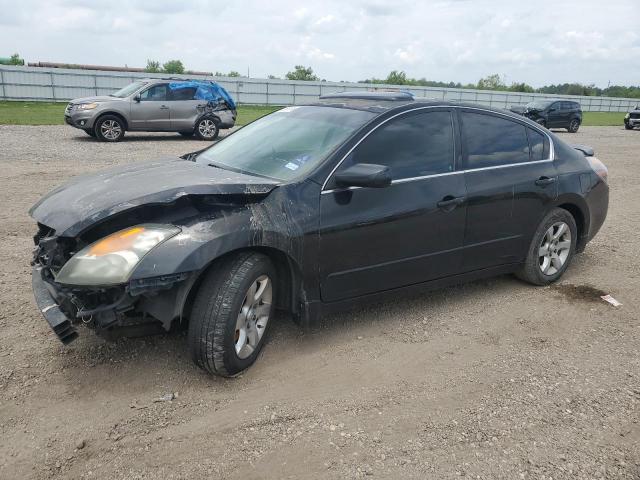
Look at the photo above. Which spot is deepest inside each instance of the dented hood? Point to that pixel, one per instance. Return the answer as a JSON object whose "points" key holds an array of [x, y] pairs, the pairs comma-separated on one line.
{"points": [[88, 199]]}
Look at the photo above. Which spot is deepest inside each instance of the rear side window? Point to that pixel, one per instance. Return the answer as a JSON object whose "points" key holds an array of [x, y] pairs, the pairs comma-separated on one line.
{"points": [[412, 145], [492, 141], [538, 144], [186, 93]]}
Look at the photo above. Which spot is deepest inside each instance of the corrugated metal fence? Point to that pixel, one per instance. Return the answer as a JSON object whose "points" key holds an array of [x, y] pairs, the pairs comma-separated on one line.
{"points": [[56, 84]]}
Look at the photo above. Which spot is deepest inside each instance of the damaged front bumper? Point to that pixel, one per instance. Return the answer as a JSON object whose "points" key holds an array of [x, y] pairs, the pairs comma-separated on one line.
{"points": [[50, 309]]}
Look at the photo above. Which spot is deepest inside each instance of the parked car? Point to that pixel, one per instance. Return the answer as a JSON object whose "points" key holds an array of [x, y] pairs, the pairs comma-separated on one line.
{"points": [[188, 107], [632, 119], [553, 114], [309, 209]]}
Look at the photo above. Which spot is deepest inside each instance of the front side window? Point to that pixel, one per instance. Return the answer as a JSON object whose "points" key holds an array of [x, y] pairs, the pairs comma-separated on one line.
{"points": [[157, 93], [492, 141], [128, 90], [413, 145], [286, 144]]}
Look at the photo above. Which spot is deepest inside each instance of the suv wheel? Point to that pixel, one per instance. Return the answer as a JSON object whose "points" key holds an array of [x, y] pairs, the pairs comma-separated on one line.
{"points": [[628, 126], [109, 128], [542, 122], [551, 249], [574, 125], [207, 129], [231, 313]]}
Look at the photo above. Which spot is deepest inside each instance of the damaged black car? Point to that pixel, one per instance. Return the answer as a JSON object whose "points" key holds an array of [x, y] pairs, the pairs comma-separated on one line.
{"points": [[308, 210]]}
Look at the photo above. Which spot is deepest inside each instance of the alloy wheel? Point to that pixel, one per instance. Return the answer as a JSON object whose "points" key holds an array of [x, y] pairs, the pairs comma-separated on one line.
{"points": [[110, 129], [207, 128], [554, 248], [573, 126], [253, 317]]}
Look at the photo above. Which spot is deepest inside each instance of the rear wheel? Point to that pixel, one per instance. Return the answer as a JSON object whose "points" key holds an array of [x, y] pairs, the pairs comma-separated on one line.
{"points": [[231, 313], [207, 129], [551, 249], [574, 125], [109, 128]]}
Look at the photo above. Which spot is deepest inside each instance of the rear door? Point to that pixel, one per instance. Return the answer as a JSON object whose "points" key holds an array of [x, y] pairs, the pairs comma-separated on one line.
{"points": [[152, 112], [184, 108], [375, 239], [556, 116]]}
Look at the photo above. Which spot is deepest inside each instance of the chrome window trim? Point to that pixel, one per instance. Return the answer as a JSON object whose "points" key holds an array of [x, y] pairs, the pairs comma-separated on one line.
{"points": [[412, 179]]}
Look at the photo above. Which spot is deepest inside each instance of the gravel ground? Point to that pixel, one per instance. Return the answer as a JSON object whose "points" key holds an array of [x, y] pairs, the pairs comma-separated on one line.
{"points": [[493, 379]]}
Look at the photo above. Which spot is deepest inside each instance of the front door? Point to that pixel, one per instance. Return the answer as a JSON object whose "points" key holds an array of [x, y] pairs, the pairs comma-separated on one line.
{"points": [[152, 112], [375, 239], [556, 115]]}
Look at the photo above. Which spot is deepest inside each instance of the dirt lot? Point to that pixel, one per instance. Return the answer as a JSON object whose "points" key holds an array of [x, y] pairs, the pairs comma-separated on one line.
{"points": [[494, 379]]}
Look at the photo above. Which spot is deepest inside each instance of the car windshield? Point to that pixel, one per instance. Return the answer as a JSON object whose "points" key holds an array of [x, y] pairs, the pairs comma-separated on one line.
{"points": [[286, 144], [539, 105], [128, 90]]}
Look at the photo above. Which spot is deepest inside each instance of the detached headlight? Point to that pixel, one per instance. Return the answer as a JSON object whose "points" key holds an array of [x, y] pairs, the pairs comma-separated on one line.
{"points": [[87, 106], [111, 260]]}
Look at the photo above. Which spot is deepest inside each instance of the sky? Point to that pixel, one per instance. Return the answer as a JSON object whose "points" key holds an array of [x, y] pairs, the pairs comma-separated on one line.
{"points": [[537, 42]]}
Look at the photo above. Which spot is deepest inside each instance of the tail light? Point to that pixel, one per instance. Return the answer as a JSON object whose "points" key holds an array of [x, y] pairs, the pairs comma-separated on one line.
{"points": [[599, 168]]}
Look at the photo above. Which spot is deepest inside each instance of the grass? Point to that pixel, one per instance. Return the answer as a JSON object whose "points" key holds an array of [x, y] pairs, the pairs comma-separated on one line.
{"points": [[46, 113], [49, 113]]}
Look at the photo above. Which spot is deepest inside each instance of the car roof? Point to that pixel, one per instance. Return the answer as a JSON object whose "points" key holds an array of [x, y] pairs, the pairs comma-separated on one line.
{"points": [[382, 102]]}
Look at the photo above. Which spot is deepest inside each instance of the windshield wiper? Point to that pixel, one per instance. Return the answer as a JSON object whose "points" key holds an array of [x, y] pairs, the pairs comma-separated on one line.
{"points": [[237, 170]]}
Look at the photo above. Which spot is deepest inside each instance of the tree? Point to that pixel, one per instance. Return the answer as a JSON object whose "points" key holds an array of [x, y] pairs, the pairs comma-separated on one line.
{"points": [[173, 66], [397, 78], [232, 73], [492, 82], [153, 66], [16, 60], [273, 77], [301, 72], [521, 87]]}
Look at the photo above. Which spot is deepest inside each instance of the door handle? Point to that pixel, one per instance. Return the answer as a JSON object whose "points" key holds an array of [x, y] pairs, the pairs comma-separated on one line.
{"points": [[544, 181], [164, 107], [449, 202]]}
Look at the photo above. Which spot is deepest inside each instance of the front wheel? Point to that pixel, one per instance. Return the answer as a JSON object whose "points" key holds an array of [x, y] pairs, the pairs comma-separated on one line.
{"points": [[109, 128], [231, 313], [628, 127], [207, 129], [574, 125], [551, 249]]}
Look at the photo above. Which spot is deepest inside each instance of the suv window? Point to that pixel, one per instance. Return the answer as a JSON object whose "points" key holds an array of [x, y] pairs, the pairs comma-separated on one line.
{"points": [[186, 93], [413, 145], [157, 93], [492, 141], [538, 144]]}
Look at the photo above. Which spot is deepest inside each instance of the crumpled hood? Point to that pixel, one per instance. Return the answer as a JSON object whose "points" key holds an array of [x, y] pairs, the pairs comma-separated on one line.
{"points": [[88, 199]]}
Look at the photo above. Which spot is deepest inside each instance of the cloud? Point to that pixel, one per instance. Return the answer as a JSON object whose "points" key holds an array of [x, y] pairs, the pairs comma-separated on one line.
{"points": [[447, 40]]}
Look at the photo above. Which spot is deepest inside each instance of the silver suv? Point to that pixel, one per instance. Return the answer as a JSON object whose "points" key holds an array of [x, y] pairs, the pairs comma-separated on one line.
{"points": [[199, 108]]}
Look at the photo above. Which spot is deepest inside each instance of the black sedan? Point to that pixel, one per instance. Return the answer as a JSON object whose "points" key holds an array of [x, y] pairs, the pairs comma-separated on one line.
{"points": [[310, 209]]}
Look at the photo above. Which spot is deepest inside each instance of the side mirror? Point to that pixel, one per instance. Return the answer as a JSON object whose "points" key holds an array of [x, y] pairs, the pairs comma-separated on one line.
{"points": [[364, 175], [136, 98]]}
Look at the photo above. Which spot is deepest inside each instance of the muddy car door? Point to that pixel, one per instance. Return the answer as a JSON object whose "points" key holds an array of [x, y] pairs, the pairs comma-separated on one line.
{"points": [[375, 239], [150, 109], [184, 108]]}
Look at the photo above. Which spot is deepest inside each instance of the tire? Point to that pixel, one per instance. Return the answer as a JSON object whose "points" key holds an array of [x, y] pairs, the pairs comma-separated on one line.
{"points": [[217, 341], [543, 270], [90, 132], [109, 128], [186, 134], [542, 123], [574, 125], [207, 128], [628, 127]]}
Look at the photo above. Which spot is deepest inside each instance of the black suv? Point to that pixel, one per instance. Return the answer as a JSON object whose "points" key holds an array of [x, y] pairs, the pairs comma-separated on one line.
{"points": [[632, 119], [553, 114]]}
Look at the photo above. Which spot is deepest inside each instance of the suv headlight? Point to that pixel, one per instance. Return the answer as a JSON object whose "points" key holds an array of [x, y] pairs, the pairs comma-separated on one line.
{"points": [[87, 106], [111, 260], [627, 115]]}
